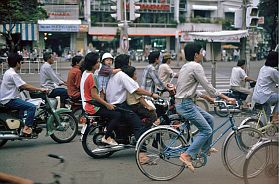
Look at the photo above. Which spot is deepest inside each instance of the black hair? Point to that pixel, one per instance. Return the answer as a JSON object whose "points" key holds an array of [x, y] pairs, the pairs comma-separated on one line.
{"points": [[13, 59], [121, 61], [76, 60], [46, 56], [90, 60], [153, 56], [129, 70], [272, 59], [191, 49], [241, 62]]}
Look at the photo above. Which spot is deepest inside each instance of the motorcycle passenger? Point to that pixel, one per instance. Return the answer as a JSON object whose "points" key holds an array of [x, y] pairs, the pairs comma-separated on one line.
{"points": [[238, 79], [8, 92], [138, 104], [105, 72], [116, 94], [73, 80], [50, 80], [89, 92], [150, 79], [265, 91], [190, 76]]}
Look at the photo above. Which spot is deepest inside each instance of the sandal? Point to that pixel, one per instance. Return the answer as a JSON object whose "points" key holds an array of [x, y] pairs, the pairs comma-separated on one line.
{"points": [[27, 131], [212, 150], [187, 162]]}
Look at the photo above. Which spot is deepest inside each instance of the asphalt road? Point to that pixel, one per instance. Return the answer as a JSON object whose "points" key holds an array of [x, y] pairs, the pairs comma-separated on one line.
{"points": [[29, 159]]}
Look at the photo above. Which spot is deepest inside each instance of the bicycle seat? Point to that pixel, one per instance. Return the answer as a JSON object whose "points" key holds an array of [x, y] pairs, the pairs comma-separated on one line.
{"points": [[258, 106]]}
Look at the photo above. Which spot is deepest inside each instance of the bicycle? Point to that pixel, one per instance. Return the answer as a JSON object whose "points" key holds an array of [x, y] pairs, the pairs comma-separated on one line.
{"points": [[163, 145], [268, 129], [261, 163]]}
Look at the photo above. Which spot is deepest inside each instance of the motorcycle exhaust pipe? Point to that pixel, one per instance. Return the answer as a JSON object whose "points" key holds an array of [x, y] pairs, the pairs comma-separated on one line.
{"points": [[9, 136], [105, 150]]}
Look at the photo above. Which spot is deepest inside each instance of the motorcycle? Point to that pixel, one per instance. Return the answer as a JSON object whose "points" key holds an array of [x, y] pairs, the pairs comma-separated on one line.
{"points": [[222, 111], [60, 123], [95, 128]]}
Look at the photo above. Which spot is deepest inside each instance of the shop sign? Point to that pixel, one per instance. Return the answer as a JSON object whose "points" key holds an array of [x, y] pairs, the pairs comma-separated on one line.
{"points": [[62, 11], [59, 27], [163, 7]]}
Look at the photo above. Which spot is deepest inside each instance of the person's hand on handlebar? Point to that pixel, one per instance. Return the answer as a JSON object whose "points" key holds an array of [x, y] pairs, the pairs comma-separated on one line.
{"points": [[110, 106], [231, 101], [154, 95], [44, 90], [170, 87]]}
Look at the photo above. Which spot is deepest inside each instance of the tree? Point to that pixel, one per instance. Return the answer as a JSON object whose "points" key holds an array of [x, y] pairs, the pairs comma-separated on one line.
{"points": [[269, 10], [16, 11]]}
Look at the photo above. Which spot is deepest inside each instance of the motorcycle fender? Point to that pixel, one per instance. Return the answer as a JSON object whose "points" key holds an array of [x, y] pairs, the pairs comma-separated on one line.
{"points": [[50, 120], [244, 121], [165, 127]]}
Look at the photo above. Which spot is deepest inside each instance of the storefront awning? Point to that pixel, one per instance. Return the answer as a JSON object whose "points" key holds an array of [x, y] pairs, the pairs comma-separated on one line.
{"points": [[204, 7], [28, 30], [220, 36]]}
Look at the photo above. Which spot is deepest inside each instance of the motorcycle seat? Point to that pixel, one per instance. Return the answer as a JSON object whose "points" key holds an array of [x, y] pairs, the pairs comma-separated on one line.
{"points": [[238, 95], [258, 106]]}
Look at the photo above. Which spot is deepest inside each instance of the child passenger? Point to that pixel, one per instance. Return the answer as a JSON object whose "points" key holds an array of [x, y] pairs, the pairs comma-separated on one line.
{"points": [[105, 72], [138, 103]]}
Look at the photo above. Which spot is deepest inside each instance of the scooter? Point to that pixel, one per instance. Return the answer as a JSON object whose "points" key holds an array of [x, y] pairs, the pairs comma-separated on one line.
{"points": [[95, 128], [60, 123]]}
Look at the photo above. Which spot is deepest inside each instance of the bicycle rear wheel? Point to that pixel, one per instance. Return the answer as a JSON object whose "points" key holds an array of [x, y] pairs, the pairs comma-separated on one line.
{"points": [[236, 146], [161, 147], [261, 164]]}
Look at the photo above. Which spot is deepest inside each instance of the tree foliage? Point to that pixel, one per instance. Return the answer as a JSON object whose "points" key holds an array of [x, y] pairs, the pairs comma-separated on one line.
{"points": [[16, 11], [269, 10]]}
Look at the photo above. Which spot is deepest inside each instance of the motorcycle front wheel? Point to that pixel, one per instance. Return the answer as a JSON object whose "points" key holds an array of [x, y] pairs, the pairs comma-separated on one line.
{"points": [[67, 130], [91, 142]]}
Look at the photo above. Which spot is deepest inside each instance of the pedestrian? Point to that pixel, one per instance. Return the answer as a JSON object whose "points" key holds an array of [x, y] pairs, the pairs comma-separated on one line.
{"points": [[165, 72], [265, 91], [190, 76]]}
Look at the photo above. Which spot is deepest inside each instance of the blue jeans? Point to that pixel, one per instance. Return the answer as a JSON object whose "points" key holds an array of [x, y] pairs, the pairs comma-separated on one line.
{"points": [[62, 92], [202, 120], [272, 101], [22, 106]]}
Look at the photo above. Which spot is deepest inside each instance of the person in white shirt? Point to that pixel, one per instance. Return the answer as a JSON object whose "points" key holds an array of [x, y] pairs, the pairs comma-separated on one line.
{"points": [[265, 91], [238, 79], [116, 94], [165, 72], [9, 88]]}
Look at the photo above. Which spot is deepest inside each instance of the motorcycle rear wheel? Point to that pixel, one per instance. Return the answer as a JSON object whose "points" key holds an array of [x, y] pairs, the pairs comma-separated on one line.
{"points": [[91, 140]]}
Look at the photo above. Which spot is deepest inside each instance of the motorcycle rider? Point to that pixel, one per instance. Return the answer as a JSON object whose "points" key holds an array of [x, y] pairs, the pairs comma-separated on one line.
{"points": [[8, 92], [50, 80], [116, 93], [74, 77], [238, 79]]}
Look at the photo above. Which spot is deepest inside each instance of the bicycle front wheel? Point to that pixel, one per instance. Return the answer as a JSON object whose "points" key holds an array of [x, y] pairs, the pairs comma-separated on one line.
{"points": [[236, 146], [157, 153], [261, 165]]}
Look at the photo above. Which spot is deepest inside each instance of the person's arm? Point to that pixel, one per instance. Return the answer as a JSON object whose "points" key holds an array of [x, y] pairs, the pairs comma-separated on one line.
{"points": [[7, 178], [54, 77], [114, 71], [156, 79], [95, 96], [249, 79], [141, 91], [29, 87], [143, 102]]}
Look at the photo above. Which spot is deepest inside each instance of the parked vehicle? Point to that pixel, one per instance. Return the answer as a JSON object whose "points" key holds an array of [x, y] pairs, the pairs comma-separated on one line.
{"points": [[61, 125]]}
